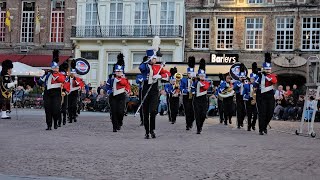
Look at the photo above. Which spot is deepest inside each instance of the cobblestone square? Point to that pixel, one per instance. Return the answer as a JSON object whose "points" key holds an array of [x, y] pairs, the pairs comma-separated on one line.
{"points": [[88, 149]]}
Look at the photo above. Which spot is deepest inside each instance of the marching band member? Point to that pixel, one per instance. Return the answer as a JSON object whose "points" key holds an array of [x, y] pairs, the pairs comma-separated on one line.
{"points": [[238, 88], [185, 87], [227, 88], [74, 84], [249, 97], [117, 88], [265, 97], [220, 100], [200, 105], [53, 82], [139, 81], [173, 93], [63, 69], [7, 85], [151, 73]]}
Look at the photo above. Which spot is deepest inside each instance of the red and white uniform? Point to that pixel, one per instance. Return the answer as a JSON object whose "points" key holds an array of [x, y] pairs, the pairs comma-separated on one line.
{"points": [[55, 80], [154, 70], [267, 82], [121, 85], [202, 87], [73, 84]]}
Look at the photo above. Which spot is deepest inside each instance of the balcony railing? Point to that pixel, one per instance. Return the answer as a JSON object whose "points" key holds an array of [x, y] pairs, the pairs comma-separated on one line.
{"points": [[133, 31]]}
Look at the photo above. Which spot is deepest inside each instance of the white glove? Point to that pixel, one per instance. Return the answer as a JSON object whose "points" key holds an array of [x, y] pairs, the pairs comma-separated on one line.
{"points": [[201, 85], [156, 77], [10, 85]]}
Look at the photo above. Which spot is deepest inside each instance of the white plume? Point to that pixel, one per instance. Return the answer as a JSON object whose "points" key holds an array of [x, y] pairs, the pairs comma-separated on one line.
{"points": [[156, 43]]}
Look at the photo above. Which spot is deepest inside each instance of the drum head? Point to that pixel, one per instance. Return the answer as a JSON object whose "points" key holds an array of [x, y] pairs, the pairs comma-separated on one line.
{"points": [[82, 66], [235, 71]]}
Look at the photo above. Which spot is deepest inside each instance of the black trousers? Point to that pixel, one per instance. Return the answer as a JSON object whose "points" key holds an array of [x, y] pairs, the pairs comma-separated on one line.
{"points": [[240, 109], [251, 111], [200, 110], [72, 105], [173, 109], [117, 104], [150, 106], [52, 105], [220, 108], [5, 103], [227, 108], [188, 110], [141, 110], [265, 109], [63, 114]]}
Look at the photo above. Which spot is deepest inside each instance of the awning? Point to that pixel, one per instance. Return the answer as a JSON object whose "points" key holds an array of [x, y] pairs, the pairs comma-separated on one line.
{"points": [[32, 60], [212, 70], [20, 69]]}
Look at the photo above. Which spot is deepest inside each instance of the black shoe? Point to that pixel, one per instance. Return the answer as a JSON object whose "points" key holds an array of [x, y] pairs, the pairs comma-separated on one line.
{"points": [[59, 125], [260, 133], [187, 128], [64, 122], [114, 130], [70, 121], [221, 121], [265, 131], [75, 120], [230, 122], [173, 122], [119, 128], [55, 127], [146, 136], [239, 127], [198, 132], [153, 135], [253, 128], [48, 128], [249, 129], [225, 123]]}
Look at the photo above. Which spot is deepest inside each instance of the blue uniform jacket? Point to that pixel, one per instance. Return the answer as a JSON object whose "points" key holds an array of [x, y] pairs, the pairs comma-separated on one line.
{"points": [[237, 86], [184, 86], [247, 91], [169, 88], [139, 80], [144, 69], [108, 87]]}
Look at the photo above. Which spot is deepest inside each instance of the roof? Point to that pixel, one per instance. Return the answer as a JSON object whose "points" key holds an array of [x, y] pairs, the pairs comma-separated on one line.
{"points": [[32, 60]]}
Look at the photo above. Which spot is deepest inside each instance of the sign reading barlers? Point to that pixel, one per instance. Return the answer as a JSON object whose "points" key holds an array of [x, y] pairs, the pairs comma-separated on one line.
{"points": [[224, 58]]}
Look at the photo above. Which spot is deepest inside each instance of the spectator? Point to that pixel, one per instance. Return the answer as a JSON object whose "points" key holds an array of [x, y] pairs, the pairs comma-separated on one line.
{"points": [[162, 109], [310, 106], [18, 95], [28, 90], [94, 93], [289, 109], [91, 104], [295, 93], [299, 107], [101, 95], [213, 104], [100, 87], [288, 92], [280, 105], [278, 94]]}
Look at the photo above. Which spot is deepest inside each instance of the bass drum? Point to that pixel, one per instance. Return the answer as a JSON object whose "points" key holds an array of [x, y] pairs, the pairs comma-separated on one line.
{"points": [[82, 66], [235, 71]]}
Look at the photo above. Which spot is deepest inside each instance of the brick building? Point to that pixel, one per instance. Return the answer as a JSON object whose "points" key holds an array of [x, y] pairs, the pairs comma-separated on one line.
{"points": [[246, 29], [24, 43]]}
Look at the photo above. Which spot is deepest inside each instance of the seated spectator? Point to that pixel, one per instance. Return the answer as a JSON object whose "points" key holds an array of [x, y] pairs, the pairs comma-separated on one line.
{"points": [[94, 93], [288, 92], [280, 105], [162, 108], [213, 104], [101, 95], [28, 90], [299, 107], [288, 111], [91, 104], [18, 94], [278, 94]]}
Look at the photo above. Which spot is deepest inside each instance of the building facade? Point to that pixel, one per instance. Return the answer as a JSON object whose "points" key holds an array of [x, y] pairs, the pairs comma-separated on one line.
{"points": [[219, 30], [37, 27], [104, 28]]}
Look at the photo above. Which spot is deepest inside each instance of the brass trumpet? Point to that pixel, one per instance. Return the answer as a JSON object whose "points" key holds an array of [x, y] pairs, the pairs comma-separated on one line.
{"points": [[178, 77]]}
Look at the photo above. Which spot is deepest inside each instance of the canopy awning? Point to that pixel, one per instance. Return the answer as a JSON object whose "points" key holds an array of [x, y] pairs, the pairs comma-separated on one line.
{"points": [[32, 60], [212, 70], [20, 69]]}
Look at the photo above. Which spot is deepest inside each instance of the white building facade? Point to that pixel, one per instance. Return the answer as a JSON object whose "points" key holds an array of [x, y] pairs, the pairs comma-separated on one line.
{"points": [[107, 27]]}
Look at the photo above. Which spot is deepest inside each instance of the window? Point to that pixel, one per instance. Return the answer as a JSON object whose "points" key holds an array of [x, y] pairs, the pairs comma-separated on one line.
{"points": [[91, 13], [116, 15], [27, 21], [57, 21], [225, 33], [2, 22], [255, 1], [90, 55], [285, 0], [201, 33], [112, 59], [226, 1], [167, 56], [284, 39], [137, 58], [311, 33], [254, 29], [141, 18], [167, 18]]}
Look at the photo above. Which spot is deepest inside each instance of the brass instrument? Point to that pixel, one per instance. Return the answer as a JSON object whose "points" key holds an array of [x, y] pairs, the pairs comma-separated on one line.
{"points": [[189, 89], [253, 95], [228, 92], [178, 77]]}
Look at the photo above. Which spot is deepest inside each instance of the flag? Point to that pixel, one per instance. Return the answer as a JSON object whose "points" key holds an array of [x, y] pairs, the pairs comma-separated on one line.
{"points": [[37, 30], [8, 20]]}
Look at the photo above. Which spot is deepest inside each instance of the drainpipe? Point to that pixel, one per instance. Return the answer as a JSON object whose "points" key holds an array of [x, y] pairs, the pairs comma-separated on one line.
{"points": [[184, 32]]}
